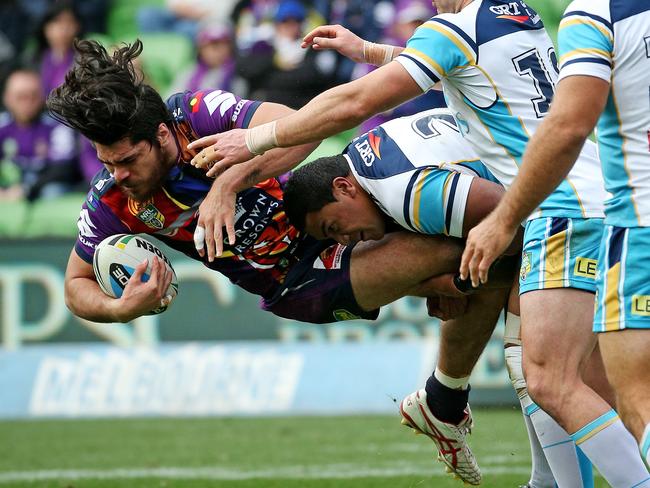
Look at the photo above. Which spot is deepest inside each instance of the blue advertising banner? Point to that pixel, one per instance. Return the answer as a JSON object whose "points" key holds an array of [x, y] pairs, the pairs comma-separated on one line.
{"points": [[214, 352], [249, 378]]}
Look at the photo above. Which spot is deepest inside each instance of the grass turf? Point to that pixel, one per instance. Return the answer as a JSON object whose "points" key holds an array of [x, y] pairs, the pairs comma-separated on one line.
{"points": [[288, 452]]}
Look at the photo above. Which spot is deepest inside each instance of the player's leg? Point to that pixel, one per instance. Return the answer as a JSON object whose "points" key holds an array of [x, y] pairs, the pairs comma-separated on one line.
{"points": [[441, 409], [383, 271], [627, 356], [541, 475], [623, 324], [595, 376], [557, 342], [557, 458]]}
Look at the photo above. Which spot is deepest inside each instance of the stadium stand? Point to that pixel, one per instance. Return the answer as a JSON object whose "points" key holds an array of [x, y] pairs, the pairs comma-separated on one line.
{"points": [[163, 57]]}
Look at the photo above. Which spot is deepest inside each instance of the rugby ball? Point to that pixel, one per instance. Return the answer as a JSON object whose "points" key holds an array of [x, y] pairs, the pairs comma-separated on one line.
{"points": [[116, 258]]}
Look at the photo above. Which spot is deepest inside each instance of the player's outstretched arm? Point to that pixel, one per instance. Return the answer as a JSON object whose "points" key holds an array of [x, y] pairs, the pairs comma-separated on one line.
{"points": [[218, 207], [268, 165], [84, 297], [549, 157], [348, 44], [337, 109]]}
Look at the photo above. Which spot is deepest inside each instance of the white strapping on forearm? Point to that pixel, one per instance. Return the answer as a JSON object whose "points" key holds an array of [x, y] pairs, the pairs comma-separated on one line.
{"points": [[378, 54], [261, 138]]}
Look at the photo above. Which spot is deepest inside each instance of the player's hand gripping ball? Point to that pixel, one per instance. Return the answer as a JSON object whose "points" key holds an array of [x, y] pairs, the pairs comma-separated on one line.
{"points": [[116, 258]]}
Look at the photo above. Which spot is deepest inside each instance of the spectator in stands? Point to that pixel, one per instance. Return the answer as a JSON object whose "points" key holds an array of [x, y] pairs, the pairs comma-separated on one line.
{"points": [[408, 16], [41, 151], [55, 34], [278, 69], [92, 13], [184, 16], [215, 65], [13, 34], [366, 18]]}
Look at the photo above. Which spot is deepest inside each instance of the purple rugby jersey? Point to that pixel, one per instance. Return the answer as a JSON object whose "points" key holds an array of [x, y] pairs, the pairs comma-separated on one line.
{"points": [[267, 245]]}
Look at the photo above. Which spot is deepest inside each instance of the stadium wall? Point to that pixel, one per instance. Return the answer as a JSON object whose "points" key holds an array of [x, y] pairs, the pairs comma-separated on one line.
{"points": [[214, 352]]}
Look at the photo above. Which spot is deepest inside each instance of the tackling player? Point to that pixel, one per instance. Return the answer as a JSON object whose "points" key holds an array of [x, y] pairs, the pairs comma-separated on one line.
{"points": [[416, 173], [497, 67], [605, 75]]}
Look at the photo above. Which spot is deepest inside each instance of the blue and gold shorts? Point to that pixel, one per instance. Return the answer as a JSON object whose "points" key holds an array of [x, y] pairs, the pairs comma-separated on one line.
{"points": [[623, 294], [560, 252]]}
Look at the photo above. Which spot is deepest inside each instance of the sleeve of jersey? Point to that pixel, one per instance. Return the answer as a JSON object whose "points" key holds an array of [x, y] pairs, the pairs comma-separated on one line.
{"points": [[585, 44], [96, 223], [436, 48], [437, 200], [217, 111]]}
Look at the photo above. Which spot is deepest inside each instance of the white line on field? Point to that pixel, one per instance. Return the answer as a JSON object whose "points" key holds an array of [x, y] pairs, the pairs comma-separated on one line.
{"points": [[333, 471]]}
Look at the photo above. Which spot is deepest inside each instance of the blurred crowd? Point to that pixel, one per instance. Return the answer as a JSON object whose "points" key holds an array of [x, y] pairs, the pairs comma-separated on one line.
{"points": [[249, 47]]}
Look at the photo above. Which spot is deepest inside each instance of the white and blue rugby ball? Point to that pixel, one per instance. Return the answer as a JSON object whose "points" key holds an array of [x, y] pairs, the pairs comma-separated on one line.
{"points": [[116, 258]]}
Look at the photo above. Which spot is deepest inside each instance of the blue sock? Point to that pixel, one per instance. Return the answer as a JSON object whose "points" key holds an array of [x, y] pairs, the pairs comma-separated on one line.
{"points": [[446, 403]]}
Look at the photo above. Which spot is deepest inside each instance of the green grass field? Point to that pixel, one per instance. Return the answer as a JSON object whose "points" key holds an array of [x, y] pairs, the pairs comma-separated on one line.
{"points": [[291, 452]]}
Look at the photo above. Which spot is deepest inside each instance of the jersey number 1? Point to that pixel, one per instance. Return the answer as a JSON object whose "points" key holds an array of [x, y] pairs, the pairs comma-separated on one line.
{"points": [[530, 64]]}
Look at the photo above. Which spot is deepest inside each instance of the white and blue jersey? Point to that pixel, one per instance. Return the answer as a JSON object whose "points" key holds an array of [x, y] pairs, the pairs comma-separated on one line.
{"points": [[419, 170], [498, 70], [611, 40]]}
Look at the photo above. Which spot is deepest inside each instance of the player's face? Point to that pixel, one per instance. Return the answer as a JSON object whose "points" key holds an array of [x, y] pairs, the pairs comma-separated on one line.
{"points": [[138, 169], [347, 220]]}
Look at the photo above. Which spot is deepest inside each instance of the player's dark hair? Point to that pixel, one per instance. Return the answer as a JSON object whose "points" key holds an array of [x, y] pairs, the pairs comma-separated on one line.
{"points": [[310, 187], [104, 96]]}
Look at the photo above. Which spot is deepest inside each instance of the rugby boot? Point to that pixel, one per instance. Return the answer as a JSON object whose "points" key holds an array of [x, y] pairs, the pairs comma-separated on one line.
{"points": [[450, 439]]}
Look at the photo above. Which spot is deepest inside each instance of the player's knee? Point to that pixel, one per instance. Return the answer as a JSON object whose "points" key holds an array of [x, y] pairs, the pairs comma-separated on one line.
{"points": [[550, 391], [541, 389]]}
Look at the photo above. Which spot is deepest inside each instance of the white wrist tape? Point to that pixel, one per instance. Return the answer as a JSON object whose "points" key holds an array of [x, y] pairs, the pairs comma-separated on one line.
{"points": [[377, 54], [261, 138]]}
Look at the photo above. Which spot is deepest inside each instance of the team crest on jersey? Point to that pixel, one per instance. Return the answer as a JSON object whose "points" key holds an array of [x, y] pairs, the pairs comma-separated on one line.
{"points": [[148, 214], [525, 266]]}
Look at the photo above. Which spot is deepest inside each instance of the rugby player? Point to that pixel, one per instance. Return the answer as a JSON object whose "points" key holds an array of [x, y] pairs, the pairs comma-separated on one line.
{"points": [[604, 80], [497, 68], [417, 173], [411, 169]]}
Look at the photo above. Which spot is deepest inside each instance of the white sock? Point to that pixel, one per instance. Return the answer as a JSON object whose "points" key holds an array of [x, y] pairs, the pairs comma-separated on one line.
{"points": [[558, 447], [541, 475], [449, 382], [613, 451], [645, 445]]}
